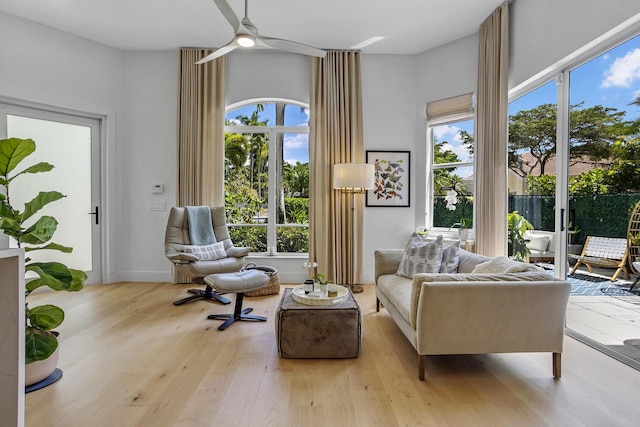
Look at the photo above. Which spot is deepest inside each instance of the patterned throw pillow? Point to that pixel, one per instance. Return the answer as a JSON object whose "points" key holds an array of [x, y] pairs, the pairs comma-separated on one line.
{"points": [[450, 258], [421, 257], [207, 252]]}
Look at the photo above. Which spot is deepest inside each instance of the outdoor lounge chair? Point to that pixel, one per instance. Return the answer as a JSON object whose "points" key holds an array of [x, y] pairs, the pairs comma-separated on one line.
{"points": [[603, 252]]}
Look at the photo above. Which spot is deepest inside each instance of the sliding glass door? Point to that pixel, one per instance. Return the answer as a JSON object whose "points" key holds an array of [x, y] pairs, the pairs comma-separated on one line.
{"points": [[574, 160]]}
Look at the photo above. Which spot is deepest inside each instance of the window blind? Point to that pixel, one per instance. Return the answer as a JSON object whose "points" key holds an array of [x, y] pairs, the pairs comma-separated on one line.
{"points": [[450, 109]]}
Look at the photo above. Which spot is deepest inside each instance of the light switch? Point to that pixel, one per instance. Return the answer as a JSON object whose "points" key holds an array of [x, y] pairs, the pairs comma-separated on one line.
{"points": [[158, 206]]}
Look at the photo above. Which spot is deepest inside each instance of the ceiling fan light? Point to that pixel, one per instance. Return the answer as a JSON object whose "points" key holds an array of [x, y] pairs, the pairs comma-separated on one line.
{"points": [[245, 40]]}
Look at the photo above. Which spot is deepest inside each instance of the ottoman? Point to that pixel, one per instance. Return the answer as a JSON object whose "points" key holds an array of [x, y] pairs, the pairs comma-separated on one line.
{"points": [[318, 331], [239, 283]]}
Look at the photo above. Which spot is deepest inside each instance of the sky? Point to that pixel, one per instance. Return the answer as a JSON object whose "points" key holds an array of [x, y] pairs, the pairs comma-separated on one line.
{"points": [[611, 80], [296, 146]]}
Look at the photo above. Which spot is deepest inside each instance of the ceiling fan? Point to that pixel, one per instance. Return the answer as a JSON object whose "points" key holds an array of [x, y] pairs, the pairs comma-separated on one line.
{"points": [[246, 35]]}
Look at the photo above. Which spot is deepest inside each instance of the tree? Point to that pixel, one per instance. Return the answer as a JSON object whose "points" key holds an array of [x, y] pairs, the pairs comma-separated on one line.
{"points": [[625, 170], [444, 178], [592, 132]]}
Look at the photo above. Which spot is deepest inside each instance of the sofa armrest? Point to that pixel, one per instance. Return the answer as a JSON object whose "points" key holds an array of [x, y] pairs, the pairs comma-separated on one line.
{"points": [[491, 317], [387, 261]]}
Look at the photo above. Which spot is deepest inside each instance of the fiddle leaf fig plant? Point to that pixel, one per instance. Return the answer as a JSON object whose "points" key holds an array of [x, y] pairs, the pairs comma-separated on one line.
{"points": [[35, 234]]}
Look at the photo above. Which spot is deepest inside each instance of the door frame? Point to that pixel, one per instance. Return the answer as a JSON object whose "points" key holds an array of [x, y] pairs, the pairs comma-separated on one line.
{"points": [[97, 124]]}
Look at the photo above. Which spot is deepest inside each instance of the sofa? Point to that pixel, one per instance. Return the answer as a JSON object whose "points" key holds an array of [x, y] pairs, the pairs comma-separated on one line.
{"points": [[468, 310]]}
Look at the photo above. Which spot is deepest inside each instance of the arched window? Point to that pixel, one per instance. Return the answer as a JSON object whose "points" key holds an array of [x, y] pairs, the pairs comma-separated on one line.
{"points": [[267, 176]]}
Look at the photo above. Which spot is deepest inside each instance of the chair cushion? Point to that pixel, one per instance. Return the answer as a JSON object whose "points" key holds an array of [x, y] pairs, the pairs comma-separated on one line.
{"points": [[538, 243], [210, 252], [240, 281], [421, 257]]}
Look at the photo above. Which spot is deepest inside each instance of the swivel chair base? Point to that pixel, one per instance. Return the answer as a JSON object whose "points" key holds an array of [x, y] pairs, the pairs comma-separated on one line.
{"points": [[198, 294], [238, 314]]}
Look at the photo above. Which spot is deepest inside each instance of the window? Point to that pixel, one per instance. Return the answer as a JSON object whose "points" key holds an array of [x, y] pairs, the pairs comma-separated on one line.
{"points": [[267, 177], [451, 161]]}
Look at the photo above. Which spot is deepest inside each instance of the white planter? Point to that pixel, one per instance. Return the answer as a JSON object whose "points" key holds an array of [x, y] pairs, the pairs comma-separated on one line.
{"points": [[464, 234], [38, 371]]}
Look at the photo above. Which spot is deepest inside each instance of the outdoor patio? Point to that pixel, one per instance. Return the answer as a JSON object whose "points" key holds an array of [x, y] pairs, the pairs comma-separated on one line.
{"points": [[605, 311]]}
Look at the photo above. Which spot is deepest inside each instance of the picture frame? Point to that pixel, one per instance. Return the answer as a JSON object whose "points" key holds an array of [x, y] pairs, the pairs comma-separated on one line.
{"points": [[392, 186]]}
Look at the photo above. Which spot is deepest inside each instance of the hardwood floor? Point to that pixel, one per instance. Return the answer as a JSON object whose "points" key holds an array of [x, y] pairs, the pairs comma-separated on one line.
{"points": [[130, 358]]}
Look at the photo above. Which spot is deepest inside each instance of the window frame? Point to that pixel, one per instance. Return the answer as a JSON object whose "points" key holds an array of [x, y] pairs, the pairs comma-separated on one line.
{"points": [[432, 167], [271, 132]]}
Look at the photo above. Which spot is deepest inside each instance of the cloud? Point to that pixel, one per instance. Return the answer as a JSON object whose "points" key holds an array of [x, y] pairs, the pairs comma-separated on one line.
{"points": [[624, 71], [446, 132], [293, 141]]}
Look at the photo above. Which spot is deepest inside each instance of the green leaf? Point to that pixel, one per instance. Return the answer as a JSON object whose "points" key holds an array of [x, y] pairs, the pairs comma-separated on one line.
{"points": [[51, 246], [38, 167], [10, 226], [46, 317], [55, 275], [42, 199], [79, 277], [39, 345], [40, 232], [12, 152]]}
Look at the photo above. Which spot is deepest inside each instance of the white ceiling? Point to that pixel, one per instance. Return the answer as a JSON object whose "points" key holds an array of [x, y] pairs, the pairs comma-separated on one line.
{"points": [[408, 26]]}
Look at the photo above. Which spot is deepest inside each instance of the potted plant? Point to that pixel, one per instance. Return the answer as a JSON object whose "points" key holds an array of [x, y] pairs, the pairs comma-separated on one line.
{"points": [[463, 231], [33, 233], [517, 227]]}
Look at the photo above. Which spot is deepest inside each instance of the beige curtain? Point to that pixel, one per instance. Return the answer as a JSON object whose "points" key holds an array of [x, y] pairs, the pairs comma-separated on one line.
{"points": [[491, 135], [200, 154], [201, 130], [336, 137]]}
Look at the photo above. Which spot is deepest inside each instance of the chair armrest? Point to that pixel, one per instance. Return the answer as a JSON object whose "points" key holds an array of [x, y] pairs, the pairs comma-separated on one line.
{"points": [[238, 252], [180, 257]]}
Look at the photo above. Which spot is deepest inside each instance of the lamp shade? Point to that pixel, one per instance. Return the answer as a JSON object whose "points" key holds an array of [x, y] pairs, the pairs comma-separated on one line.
{"points": [[353, 176]]}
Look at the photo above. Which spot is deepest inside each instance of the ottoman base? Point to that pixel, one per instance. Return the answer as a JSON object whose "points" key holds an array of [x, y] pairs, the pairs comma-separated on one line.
{"points": [[318, 332]]}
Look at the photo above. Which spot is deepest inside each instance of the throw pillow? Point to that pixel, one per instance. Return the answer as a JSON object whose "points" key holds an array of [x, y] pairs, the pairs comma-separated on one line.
{"points": [[537, 243], [450, 258], [421, 257], [504, 265], [210, 252]]}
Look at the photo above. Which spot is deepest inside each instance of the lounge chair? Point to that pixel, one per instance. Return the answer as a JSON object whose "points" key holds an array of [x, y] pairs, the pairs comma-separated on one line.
{"points": [[605, 252]]}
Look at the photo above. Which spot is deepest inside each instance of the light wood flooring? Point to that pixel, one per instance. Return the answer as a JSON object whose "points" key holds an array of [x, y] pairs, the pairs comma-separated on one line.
{"points": [[130, 358]]}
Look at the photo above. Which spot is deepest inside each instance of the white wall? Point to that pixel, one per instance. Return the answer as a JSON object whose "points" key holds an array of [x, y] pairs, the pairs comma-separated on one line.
{"points": [[146, 156], [44, 66], [267, 74], [136, 92], [389, 116], [543, 32]]}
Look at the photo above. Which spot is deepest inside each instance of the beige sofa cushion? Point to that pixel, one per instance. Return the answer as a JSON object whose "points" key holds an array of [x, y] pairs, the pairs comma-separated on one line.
{"points": [[398, 289], [419, 279]]}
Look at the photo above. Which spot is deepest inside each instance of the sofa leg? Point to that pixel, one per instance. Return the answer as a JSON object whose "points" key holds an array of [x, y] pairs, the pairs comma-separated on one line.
{"points": [[422, 362], [377, 305], [557, 365]]}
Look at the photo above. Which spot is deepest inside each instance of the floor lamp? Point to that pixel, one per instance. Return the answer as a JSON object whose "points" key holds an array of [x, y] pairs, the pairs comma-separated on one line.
{"points": [[352, 178]]}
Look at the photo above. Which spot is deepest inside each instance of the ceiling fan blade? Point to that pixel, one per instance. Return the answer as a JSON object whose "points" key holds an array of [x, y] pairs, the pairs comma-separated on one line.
{"points": [[227, 12], [289, 46], [219, 52]]}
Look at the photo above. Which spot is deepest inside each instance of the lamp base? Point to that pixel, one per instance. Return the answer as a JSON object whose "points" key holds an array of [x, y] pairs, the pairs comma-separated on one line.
{"points": [[356, 289]]}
